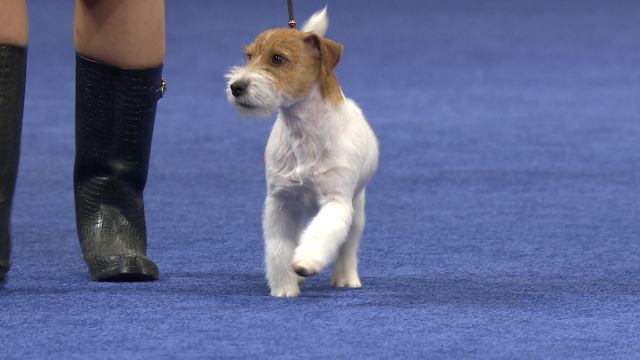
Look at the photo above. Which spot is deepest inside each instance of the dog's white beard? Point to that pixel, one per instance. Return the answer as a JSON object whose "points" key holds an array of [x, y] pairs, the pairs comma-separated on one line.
{"points": [[261, 99]]}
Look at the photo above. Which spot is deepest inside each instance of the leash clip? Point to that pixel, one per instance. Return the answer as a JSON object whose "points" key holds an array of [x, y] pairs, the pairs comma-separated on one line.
{"points": [[292, 22]]}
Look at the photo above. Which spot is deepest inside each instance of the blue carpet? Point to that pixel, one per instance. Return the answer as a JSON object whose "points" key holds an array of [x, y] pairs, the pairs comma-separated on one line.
{"points": [[504, 221]]}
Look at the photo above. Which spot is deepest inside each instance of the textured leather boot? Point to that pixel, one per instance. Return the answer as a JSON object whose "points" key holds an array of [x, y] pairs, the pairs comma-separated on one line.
{"points": [[115, 114], [13, 68]]}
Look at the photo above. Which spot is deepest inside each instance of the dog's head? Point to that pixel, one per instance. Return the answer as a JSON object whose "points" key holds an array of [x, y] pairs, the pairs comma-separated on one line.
{"points": [[282, 67]]}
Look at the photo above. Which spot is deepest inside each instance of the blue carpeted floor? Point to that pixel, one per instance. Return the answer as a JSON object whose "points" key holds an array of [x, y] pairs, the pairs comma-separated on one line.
{"points": [[504, 221]]}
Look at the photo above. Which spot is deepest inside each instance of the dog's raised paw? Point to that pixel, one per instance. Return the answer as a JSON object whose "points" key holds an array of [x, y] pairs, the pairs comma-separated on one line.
{"points": [[303, 268]]}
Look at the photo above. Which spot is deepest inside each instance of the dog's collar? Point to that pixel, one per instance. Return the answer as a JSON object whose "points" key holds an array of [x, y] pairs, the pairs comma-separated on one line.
{"points": [[292, 21]]}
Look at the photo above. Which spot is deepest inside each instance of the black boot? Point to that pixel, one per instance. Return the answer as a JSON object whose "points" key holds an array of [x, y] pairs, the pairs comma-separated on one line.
{"points": [[115, 113], [13, 69]]}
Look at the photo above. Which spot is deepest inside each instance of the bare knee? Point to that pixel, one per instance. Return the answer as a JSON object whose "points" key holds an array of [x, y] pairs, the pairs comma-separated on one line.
{"points": [[14, 29], [125, 33]]}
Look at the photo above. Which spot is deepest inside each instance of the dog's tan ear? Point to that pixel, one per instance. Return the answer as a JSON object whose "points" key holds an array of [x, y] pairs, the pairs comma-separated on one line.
{"points": [[329, 53]]}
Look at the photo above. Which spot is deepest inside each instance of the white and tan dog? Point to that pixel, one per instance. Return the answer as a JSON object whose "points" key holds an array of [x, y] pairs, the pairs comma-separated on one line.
{"points": [[319, 157]]}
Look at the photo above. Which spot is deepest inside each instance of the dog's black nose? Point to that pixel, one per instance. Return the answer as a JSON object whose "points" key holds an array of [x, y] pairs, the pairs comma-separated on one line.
{"points": [[238, 88]]}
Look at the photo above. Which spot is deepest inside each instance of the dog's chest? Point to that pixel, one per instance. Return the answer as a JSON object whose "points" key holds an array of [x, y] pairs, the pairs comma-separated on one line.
{"points": [[298, 165], [295, 167]]}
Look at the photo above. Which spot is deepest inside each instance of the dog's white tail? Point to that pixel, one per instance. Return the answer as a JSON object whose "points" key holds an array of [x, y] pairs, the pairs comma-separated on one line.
{"points": [[317, 23]]}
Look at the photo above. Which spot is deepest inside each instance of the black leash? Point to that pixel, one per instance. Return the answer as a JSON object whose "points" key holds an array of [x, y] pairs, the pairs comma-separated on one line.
{"points": [[292, 21]]}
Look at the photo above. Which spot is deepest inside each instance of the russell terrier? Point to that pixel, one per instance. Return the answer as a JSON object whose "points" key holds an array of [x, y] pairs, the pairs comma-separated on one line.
{"points": [[319, 157]]}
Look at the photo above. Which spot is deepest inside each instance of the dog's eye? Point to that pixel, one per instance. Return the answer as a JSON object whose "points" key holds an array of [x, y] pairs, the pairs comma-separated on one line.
{"points": [[277, 59], [248, 55]]}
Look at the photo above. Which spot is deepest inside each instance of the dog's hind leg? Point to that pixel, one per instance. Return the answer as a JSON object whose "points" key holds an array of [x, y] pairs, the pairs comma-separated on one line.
{"points": [[345, 269], [282, 225]]}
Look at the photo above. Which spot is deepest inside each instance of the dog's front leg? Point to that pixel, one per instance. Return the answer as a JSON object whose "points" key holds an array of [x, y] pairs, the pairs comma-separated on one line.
{"points": [[323, 237], [282, 224]]}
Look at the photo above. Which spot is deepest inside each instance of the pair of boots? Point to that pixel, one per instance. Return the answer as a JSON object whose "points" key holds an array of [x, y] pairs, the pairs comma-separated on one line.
{"points": [[115, 113]]}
